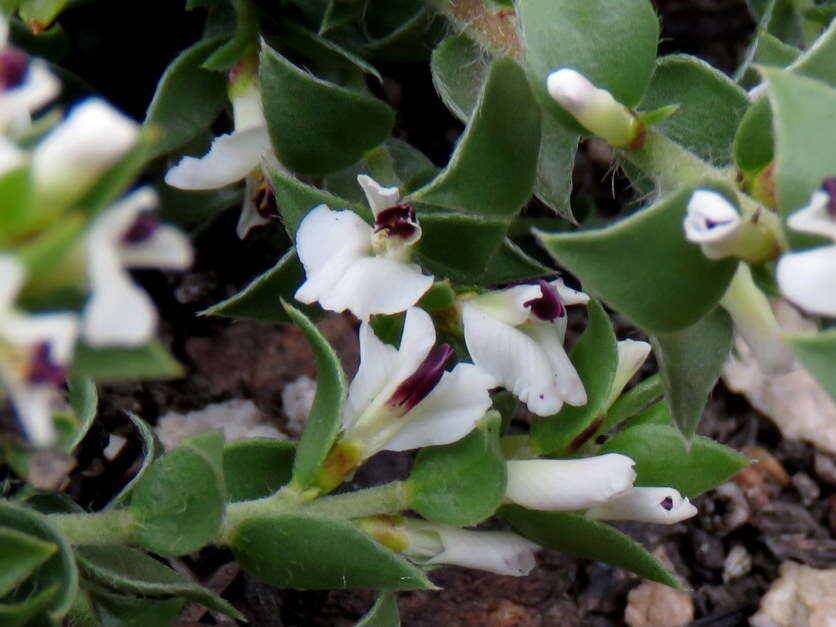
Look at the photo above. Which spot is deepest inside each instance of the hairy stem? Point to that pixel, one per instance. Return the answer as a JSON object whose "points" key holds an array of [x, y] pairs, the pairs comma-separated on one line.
{"points": [[493, 29], [114, 526]]}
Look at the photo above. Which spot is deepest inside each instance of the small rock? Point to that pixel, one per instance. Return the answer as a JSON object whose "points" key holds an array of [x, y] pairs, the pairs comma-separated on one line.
{"points": [[825, 467], [801, 597], [654, 604], [807, 489], [297, 399], [737, 563]]}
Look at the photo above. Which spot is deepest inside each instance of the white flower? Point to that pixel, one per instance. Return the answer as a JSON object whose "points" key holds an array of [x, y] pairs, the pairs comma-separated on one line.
{"points": [[499, 552], [26, 84], [712, 222], [403, 398], [808, 278], [568, 484], [516, 335], [653, 505], [631, 355], [350, 265], [594, 108], [125, 236], [75, 154], [10, 157], [245, 154], [34, 351]]}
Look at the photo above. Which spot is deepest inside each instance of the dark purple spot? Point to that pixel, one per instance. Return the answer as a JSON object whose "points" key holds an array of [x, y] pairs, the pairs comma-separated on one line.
{"points": [[398, 221], [13, 67], [265, 201], [145, 225], [828, 185], [43, 369], [416, 386], [548, 306], [667, 503]]}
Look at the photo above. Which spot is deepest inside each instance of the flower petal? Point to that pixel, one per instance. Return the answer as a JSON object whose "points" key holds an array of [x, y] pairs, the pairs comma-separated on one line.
{"points": [[18, 103], [808, 279], [375, 285], [10, 157], [33, 405], [59, 330], [569, 296], [417, 338], [815, 218], [499, 552], [712, 222], [549, 337], [653, 505], [631, 355], [250, 217], [448, 413], [12, 275], [508, 305], [230, 158], [378, 362], [118, 313], [379, 197], [568, 484]]}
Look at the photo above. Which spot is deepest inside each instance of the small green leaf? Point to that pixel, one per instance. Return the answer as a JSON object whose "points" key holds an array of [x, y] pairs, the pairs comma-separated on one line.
{"points": [[116, 610], [384, 613], [652, 274], [318, 127], [326, 412], [710, 105], [493, 168], [151, 450], [16, 192], [84, 401], [635, 400], [39, 14], [187, 100], [611, 42], [151, 361], [462, 483], [589, 539], [303, 551], [663, 459], [179, 504], [554, 167], [20, 555], [689, 363], [28, 610], [127, 570], [459, 69], [510, 264], [595, 357], [818, 354], [193, 210], [257, 467], [261, 299], [440, 296], [408, 35], [339, 13]]}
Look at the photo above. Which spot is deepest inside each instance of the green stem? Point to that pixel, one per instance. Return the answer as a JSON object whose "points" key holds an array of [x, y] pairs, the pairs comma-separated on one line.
{"points": [[111, 527]]}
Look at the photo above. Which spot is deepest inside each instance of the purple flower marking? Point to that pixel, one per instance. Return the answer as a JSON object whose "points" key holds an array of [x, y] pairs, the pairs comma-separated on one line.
{"points": [[420, 383], [548, 306]]}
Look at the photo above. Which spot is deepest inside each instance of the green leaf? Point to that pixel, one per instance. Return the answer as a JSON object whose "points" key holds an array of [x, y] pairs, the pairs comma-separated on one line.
{"points": [[493, 168], [652, 274], [462, 483], [16, 192], [257, 467], [261, 299], [589, 539], [127, 570], [710, 105], [151, 450], [179, 504], [459, 70], [611, 42], [384, 613], [151, 361], [440, 296], [689, 364], [192, 210], [115, 610], [26, 611], [304, 551], [326, 411], [56, 578], [187, 100], [595, 357], [339, 13], [318, 127], [635, 400], [20, 554], [554, 167], [510, 264], [818, 354], [412, 30], [805, 136], [39, 14], [663, 459], [84, 401]]}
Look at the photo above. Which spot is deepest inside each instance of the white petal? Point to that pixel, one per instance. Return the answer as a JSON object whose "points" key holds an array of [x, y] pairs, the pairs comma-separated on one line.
{"points": [[712, 222], [808, 279], [379, 197], [118, 313], [166, 248], [18, 103], [12, 275], [549, 337], [230, 159], [514, 360], [59, 330], [73, 156], [572, 90], [448, 413], [568, 484], [324, 234], [250, 217], [247, 108], [569, 296], [631, 355], [375, 285], [653, 505], [497, 552], [815, 218], [378, 362], [417, 338], [10, 157], [33, 405], [508, 305]]}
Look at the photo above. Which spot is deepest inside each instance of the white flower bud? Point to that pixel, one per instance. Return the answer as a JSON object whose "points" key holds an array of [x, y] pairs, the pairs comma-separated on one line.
{"points": [[713, 223], [653, 505]]}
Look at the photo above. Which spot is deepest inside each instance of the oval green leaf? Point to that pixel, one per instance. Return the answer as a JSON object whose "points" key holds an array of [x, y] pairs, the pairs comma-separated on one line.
{"points": [[257, 467]]}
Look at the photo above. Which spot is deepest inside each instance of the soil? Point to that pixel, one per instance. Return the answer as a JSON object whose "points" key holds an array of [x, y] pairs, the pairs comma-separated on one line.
{"points": [[774, 516]]}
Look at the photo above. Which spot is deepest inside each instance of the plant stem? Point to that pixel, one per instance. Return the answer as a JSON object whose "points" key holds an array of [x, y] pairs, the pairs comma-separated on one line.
{"points": [[111, 527]]}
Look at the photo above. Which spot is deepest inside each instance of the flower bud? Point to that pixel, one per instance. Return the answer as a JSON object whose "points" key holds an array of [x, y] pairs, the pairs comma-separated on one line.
{"points": [[653, 505], [595, 109]]}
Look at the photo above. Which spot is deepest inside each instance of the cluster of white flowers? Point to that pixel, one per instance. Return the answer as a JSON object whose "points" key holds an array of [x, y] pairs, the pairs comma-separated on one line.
{"points": [[402, 398], [62, 167]]}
